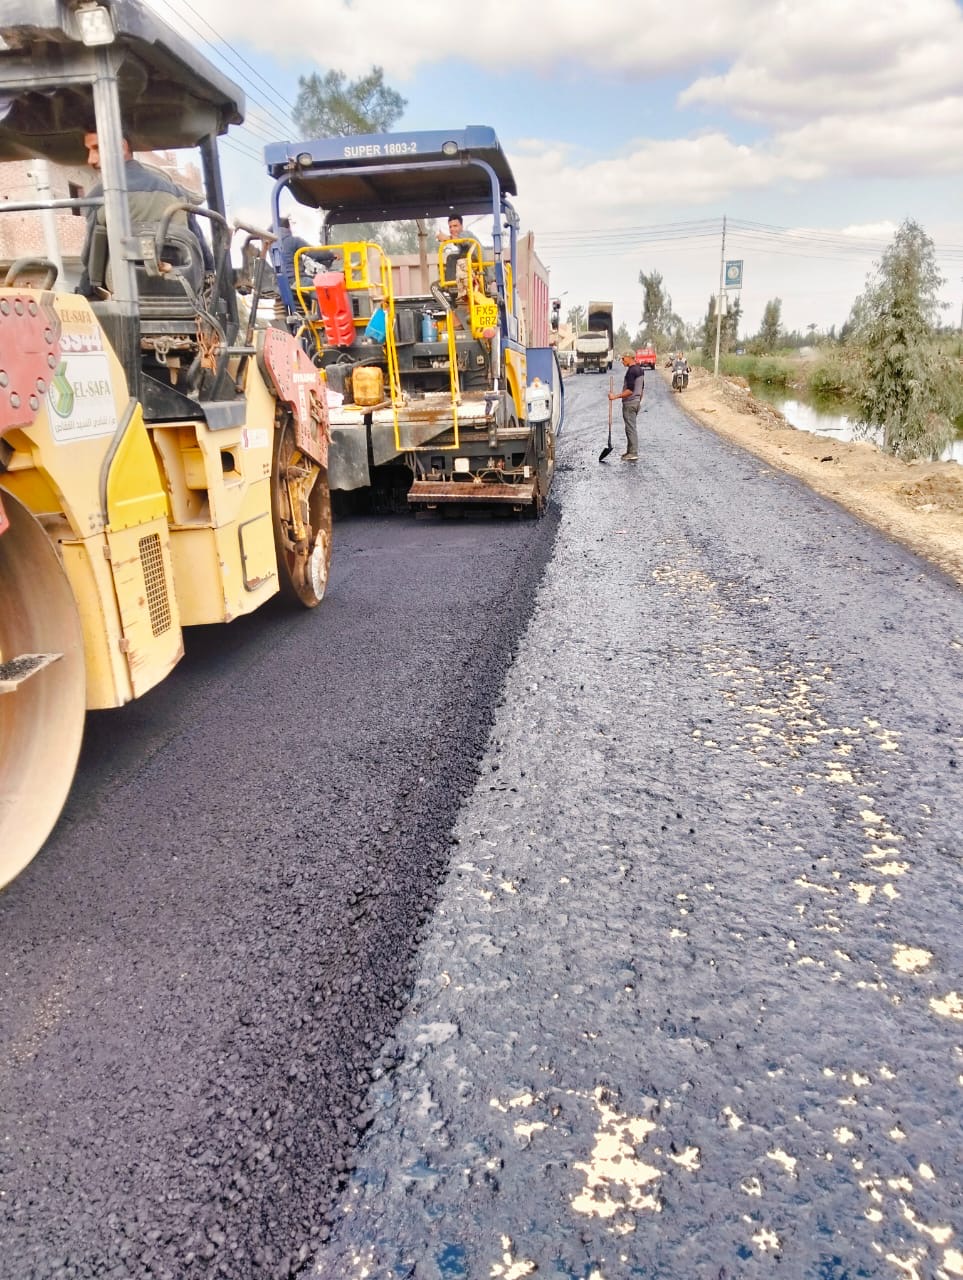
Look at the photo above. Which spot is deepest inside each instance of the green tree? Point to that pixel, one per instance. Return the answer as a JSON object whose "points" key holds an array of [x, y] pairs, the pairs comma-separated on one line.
{"points": [[331, 106], [660, 324], [730, 323], [394, 237], [771, 327], [623, 340], [576, 318], [906, 381], [729, 332]]}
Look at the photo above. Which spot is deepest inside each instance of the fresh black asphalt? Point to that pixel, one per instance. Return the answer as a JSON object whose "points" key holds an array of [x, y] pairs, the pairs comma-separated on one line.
{"points": [[364, 950]]}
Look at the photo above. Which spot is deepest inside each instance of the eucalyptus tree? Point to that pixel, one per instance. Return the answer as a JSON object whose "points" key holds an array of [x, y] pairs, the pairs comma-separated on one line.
{"points": [[660, 324], [906, 383], [770, 330]]}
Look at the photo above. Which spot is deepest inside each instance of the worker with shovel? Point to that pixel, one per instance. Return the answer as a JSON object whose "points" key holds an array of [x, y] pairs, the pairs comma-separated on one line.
{"points": [[631, 397]]}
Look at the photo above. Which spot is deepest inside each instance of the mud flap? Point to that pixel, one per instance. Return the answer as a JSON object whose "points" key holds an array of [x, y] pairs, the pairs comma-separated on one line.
{"points": [[348, 458]]}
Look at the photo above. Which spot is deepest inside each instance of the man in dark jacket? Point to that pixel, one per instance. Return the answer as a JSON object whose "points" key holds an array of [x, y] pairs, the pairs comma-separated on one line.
{"points": [[146, 189], [631, 397], [285, 248]]}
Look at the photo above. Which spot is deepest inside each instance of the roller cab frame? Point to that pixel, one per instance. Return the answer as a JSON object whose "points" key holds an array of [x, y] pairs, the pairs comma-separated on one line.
{"points": [[161, 464], [431, 368]]}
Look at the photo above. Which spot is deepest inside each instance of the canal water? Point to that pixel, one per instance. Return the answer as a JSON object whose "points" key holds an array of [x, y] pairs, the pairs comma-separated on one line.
{"points": [[828, 419]]}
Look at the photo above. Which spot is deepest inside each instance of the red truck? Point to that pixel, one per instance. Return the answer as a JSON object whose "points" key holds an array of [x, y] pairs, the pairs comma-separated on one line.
{"points": [[646, 357]]}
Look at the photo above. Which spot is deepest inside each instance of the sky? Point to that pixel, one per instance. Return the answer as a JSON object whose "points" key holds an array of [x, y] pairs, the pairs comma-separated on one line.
{"points": [[814, 129]]}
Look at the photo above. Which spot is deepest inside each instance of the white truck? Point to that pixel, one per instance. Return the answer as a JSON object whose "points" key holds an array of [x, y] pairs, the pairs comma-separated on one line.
{"points": [[594, 349]]}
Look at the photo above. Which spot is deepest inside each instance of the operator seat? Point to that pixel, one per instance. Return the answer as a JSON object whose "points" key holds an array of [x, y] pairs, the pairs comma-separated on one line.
{"points": [[171, 296]]}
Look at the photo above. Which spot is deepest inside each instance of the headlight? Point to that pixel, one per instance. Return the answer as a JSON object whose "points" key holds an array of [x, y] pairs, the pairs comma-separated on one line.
{"points": [[96, 25]]}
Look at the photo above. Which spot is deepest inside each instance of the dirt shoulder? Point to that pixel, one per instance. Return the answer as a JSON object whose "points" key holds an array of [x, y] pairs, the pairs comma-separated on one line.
{"points": [[918, 503]]}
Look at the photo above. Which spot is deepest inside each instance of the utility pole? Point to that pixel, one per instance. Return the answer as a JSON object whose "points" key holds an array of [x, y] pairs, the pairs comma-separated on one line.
{"points": [[722, 268]]}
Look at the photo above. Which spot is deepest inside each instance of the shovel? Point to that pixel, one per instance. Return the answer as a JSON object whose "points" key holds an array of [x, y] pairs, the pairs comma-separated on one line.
{"points": [[608, 448]]}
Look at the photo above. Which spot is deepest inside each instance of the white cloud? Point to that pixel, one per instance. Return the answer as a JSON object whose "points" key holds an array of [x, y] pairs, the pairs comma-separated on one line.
{"points": [[857, 55], [870, 231], [646, 177], [840, 91], [914, 141], [404, 38], [782, 55]]}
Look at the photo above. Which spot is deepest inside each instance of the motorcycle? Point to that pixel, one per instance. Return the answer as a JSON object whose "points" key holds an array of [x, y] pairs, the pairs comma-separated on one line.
{"points": [[680, 377]]}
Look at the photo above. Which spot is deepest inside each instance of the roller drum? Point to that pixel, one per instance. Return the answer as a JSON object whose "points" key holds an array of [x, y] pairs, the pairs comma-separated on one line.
{"points": [[42, 688]]}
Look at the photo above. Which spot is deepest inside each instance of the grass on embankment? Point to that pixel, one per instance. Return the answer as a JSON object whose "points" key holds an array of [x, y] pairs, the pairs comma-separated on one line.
{"points": [[830, 375], [823, 371], [816, 375]]}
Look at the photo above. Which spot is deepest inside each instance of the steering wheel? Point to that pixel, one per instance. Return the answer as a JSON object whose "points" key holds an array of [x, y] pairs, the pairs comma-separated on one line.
{"points": [[21, 266]]}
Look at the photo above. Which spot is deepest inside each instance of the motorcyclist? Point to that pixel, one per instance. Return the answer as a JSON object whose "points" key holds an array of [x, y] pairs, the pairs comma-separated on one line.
{"points": [[680, 367]]}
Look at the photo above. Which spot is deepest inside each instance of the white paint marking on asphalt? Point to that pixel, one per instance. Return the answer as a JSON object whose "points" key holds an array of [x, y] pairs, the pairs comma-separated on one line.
{"points": [[767, 1241], [953, 1262], [940, 1235], [511, 1268]]}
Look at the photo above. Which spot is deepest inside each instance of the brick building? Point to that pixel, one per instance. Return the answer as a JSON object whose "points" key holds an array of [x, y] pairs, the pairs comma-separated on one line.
{"points": [[24, 234]]}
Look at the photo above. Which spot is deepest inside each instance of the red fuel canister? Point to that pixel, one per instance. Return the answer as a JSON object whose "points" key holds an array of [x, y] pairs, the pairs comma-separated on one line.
{"points": [[335, 308]]}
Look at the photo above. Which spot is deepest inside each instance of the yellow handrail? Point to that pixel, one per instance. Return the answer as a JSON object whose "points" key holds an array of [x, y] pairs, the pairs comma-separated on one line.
{"points": [[482, 310]]}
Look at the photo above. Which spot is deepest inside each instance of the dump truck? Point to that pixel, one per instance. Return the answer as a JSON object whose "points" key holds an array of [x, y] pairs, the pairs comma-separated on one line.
{"points": [[441, 372], [161, 466], [595, 347]]}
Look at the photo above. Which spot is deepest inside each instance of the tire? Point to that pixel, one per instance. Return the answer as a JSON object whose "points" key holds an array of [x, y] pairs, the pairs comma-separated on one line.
{"points": [[303, 567]]}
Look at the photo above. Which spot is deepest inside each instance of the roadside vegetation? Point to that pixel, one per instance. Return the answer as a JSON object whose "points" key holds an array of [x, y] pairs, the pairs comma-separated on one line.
{"points": [[892, 368]]}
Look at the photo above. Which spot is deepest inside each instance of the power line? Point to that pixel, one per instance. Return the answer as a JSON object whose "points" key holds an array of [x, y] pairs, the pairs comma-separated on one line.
{"points": [[758, 237], [596, 233], [233, 143], [280, 122], [288, 107]]}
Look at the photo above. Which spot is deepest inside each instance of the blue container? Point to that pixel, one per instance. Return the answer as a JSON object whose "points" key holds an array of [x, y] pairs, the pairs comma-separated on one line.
{"points": [[427, 327], [377, 326]]}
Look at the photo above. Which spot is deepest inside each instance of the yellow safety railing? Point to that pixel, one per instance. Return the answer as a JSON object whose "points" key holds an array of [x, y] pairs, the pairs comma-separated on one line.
{"points": [[367, 271], [482, 310], [354, 260]]}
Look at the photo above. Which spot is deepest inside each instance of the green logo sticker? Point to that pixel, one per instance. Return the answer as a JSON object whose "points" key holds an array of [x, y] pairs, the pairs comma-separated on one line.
{"points": [[61, 393]]}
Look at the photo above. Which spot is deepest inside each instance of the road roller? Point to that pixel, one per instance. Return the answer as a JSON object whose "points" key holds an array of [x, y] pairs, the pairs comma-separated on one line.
{"points": [[163, 462]]}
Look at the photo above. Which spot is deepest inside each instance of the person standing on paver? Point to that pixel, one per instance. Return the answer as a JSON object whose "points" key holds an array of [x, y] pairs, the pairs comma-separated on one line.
{"points": [[631, 397]]}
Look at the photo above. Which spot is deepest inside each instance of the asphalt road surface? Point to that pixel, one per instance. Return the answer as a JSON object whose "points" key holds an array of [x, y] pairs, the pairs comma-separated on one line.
{"points": [[656, 973]]}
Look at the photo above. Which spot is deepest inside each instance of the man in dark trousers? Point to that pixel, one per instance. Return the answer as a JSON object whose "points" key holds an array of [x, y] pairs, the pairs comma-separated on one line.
{"points": [[631, 397]]}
